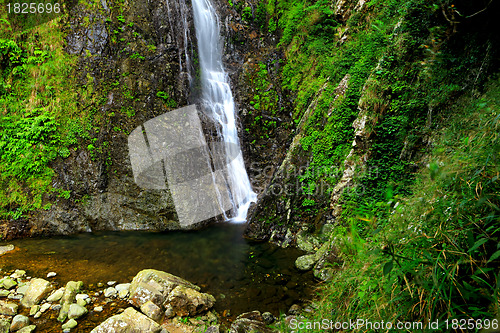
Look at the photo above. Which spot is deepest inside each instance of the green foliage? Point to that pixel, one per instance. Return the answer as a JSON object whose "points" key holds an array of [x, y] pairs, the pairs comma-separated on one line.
{"points": [[433, 255], [247, 14], [40, 116], [168, 100]]}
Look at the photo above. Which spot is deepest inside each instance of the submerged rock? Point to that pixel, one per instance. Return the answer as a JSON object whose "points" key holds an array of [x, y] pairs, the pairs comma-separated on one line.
{"points": [[128, 321], [6, 248], [69, 324], [8, 309], [19, 273], [56, 295], [250, 322], [38, 289], [27, 329], [19, 322]]}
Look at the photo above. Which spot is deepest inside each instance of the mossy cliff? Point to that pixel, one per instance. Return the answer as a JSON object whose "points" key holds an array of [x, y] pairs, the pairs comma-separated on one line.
{"points": [[72, 90]]}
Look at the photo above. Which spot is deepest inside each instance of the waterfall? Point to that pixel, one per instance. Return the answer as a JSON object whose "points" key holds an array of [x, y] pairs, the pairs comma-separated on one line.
{"points": [[218, 103]]}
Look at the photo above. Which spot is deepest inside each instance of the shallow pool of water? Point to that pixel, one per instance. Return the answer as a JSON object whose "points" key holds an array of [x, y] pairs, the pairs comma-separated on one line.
{"points": [[242, 275]]}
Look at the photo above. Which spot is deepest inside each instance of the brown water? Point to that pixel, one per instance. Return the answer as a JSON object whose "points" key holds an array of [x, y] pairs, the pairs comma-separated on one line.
{"points": [[242, 275]]}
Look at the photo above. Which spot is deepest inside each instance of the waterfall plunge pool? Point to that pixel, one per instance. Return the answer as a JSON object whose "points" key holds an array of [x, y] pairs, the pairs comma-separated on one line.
{"points": [[241, 275]]}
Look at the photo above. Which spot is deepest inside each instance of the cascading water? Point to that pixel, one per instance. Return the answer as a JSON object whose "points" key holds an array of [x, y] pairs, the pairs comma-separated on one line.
{"points": [[218, 102]]}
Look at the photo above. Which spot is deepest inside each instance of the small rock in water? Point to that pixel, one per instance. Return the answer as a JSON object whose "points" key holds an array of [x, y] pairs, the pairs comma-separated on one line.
{"points": [[100, 284], [6, 248], [123, 289], [15, 297], [34, 309], [98, 309], [18, 273], [110, 292], [82, 296], [4, 293], [8, 309], [76, 311], [19, 322], [69, 324], [44, 307], [56, 307], [4, 326], [51, 274], [111, 283], [22, 289], [8, 283]]}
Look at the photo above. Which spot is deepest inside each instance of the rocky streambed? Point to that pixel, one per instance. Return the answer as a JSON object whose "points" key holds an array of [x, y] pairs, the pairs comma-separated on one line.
{"points": [[229, 278], [154, 301]]}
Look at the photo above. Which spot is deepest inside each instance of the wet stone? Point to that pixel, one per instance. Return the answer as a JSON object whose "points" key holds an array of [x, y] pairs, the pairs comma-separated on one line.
{"points": [[56, 295], [18, 273], [37, 290], [34, 309], [6, 248], [8, 309], [69, 324], [9, 283], [19, 322], [110, 292], [27, 329], [4, 326], [76, 311]]}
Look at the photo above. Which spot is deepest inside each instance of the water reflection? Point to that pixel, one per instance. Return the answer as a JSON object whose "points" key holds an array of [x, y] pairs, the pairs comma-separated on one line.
{"points": [[243, 276]]}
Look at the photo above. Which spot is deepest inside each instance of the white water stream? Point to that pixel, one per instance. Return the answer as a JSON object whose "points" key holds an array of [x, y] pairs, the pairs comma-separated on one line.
{"points": [[217, 99]]}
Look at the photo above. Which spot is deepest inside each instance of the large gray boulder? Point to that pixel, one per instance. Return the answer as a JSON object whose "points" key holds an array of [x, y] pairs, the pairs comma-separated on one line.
{"points": [[129, 321], [250, 322], [37, 290], [154, 291]]}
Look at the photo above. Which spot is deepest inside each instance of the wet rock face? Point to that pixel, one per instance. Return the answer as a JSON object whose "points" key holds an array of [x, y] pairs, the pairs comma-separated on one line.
{"points": [[156, 292], [137, 59]]}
